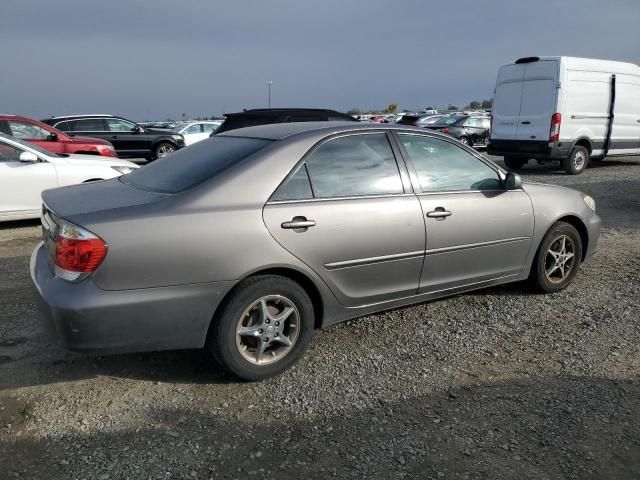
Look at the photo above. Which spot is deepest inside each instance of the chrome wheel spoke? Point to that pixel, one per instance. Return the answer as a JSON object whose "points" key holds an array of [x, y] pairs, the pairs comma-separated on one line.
{"points": [[286, 313], [262, 345], [264, 311], [283, 340], [252, 331], [552, 269]]}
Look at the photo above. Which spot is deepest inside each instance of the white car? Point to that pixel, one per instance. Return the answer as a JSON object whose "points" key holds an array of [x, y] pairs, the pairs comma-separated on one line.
{"points": [[195, 131], [26, 170]]}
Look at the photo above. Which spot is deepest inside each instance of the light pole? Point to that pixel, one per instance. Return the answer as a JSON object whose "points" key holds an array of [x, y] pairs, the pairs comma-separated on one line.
{"points": [[269, 83]]}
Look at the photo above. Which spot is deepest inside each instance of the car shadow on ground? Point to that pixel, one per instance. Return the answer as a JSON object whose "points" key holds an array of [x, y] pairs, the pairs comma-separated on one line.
{"points": [[32, 222], [535, 427]]}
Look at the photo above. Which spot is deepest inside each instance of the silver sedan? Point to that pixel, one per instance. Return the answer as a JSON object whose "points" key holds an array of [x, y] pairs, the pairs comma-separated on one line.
{"points": [[246, 242]]}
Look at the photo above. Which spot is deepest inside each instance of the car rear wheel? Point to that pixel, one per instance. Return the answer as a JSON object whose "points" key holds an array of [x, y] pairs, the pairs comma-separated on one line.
{"points": [[557, 259], [263, 328], [577, 162], [514, 163], [163, 149], [465, 141]]}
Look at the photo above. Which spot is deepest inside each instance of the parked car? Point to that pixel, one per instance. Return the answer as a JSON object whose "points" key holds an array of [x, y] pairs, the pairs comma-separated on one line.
{"points": [[565, 109], [265, 116], [472, 131], [419, 120], [129, 139], [26, 170], [247, 241], [51, 139], [195, 131]]}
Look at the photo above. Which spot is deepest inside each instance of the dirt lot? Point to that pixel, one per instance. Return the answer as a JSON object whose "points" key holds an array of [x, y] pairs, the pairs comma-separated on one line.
{"points": [[500, 383]]}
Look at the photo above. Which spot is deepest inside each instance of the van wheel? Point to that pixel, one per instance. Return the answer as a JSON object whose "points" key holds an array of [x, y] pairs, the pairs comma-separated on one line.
{"points": [[577, 162], [514, 163], [264, 327]]}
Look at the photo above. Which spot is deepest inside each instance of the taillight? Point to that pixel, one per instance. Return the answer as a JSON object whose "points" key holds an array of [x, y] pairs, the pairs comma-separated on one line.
{"points": [[445, 130], [554, 132], [78, 252]]}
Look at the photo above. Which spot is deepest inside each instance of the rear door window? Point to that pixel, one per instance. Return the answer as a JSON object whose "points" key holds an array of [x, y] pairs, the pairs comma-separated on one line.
{"points": [[90, 125]]}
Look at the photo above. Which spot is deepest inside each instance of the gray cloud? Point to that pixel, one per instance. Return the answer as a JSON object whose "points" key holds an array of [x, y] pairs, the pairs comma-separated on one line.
{"points": [[161, 58]]}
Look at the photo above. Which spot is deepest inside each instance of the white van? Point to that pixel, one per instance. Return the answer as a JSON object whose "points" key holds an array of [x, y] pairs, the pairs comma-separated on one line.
{"points": [[567, 109]]}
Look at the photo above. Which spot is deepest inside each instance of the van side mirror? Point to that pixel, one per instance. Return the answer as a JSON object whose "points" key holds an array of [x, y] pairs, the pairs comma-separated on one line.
{"points": [[512, 181], [28, 157]]}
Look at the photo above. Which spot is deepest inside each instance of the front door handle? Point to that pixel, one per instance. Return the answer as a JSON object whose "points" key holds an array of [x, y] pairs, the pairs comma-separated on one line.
{"points": [[298, 223], [114, 136], [527, 122], [439, 213]]}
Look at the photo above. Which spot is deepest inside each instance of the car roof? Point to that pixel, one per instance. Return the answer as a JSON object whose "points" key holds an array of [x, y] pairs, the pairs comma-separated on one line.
{"points": [[280, 111], [82, 115], [280, 131]]}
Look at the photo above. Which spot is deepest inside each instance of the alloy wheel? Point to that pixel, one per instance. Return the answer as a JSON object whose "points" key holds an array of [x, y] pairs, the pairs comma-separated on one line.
{"points": [[165, 150], [559, 259], [268, 329]]}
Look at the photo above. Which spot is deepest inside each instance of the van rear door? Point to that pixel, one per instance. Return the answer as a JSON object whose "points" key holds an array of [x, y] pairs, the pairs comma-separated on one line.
{"points": [[625, 134], [506, 102], [538, 104]]}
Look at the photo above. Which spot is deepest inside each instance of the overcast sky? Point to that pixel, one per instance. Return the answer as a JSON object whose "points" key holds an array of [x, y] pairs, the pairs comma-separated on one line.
{"points": [[158, 59]]}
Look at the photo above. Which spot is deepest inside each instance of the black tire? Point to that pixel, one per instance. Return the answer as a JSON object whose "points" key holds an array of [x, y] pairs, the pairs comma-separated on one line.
{"points": [[162, 149], [577, 161], [465, 141], [223, 342], [513, 163], [544, 261]]}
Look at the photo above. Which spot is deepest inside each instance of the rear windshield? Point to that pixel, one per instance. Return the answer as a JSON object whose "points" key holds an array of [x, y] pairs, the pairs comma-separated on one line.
{"points": [[234, 122], [449, 120], [408, 119], [190, 166]]}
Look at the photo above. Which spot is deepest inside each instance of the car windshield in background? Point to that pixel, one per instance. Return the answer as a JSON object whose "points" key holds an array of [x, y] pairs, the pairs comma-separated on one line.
{"points": [[448, 120], [189, 167], [31, 146]]}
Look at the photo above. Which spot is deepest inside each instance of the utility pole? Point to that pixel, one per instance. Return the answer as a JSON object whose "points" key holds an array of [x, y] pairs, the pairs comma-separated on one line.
{"points": [[269, 83]]}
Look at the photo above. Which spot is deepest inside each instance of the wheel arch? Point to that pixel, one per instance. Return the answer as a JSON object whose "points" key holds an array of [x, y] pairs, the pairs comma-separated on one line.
{"points": [[579, 225], [297, 276], [583, 142]]}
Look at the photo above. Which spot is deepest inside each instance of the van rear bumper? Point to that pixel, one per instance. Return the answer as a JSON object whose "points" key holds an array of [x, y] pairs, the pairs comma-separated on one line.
{"points": [[540, 150]]}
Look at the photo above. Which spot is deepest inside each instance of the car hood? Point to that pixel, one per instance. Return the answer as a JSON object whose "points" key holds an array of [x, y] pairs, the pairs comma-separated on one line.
{"points": [[97, 160], [97, 141]]}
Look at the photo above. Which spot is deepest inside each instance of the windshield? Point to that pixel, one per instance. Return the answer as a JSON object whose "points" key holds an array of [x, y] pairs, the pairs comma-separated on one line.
{"points": [[33, 147], [447, 120], [191, 166]]}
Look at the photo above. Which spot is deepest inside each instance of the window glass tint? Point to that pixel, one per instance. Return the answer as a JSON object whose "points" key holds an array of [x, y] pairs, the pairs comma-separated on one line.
{"points": [[443, 167], [474, 122], [89, 125], [194, 129], [354, 165], [66, 126], [116, 125], [209, 127], [188, 167], [308, 118], [242, 121], [340, 118], [28, 130], [9, 153], [297, 187]]}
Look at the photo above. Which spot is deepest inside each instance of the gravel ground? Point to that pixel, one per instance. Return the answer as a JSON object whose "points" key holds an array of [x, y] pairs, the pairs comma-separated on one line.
{"points": [[500, 383]]}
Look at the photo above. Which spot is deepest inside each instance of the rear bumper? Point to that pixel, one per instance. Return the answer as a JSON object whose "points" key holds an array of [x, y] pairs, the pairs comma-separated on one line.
{"points": [[83, 318], [539, 150]]}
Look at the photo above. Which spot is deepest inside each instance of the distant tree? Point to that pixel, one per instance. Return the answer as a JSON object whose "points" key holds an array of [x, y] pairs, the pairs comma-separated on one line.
{"points": [[475, 105], [452, 107], [184, 115], [392, 108], [430, 108], [487, 103], [354, 111]]}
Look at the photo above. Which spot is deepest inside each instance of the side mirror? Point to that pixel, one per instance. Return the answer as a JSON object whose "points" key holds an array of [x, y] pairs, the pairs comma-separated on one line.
{"points": [[53, 137], [136, 129], [28, 157], [512, 181]]}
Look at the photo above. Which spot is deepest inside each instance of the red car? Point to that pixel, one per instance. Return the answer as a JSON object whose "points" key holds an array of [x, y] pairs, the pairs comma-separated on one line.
{"points": [[51, 139]]}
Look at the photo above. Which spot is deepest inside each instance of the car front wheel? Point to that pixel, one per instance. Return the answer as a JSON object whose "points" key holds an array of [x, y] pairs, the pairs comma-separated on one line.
{"points": [[557, 259], [465, 141], [264, 327]]}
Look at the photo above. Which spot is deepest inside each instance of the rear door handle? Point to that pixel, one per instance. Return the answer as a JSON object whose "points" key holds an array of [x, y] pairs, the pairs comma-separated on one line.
{"points": [[439, 213], [298, 223], [527, 122]]}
